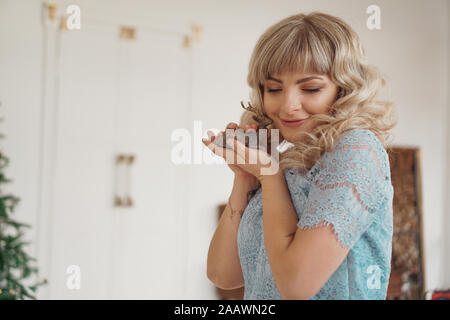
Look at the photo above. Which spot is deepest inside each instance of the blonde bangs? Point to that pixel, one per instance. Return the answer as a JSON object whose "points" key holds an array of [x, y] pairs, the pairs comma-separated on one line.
{"points": [[294, 49]]}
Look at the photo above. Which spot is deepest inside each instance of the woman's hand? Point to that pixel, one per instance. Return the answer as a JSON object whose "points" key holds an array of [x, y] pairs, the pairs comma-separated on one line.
{"points": [[245, 162], [238, 172]]}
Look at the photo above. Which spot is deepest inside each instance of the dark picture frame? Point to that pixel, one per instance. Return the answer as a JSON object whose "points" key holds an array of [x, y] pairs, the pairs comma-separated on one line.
{"points": [[407, 279]]}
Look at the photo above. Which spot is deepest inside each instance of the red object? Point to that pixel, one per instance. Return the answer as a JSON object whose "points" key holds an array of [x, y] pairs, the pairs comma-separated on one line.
{"points": [[440, 295]]}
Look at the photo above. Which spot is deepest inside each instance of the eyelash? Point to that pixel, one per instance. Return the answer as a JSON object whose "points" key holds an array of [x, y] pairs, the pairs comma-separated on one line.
{"points": [[307, 90]]}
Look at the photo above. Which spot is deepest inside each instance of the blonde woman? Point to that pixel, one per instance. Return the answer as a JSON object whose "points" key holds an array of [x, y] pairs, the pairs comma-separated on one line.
{"points": [[321, 226]]}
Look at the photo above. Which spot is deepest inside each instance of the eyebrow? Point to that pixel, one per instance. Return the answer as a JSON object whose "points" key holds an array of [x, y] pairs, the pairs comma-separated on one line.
{"points": [[298, 81]]}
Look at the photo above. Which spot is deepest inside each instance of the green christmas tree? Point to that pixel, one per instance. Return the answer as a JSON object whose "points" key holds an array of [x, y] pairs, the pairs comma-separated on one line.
{"points": [[16, 266]]}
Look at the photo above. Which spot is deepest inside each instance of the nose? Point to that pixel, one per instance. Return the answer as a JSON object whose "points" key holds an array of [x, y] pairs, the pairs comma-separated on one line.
{"points": [[292, 103]]}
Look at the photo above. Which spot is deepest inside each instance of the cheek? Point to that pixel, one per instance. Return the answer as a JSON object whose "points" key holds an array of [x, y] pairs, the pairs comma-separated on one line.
{"points": [[318, 104], [270, 106]]}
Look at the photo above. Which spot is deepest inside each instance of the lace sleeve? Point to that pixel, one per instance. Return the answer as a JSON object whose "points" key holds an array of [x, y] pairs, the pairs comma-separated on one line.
{"points": [[353, 182]]}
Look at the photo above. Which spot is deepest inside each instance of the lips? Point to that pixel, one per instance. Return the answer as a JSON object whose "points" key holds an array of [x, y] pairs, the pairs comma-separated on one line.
{"points": [[293, 123], [296, 120]]}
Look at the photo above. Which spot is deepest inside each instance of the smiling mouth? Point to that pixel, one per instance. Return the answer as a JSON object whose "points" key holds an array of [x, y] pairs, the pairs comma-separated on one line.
{"points": [[293, 123], [296, 120]]}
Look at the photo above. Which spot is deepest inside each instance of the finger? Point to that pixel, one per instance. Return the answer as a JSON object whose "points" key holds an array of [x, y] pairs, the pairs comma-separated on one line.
{"points": [[213, 138], [227, 154], [212, 146], [209, 143], [232, 125], [206, 141], [221, 152], [239, 149]]}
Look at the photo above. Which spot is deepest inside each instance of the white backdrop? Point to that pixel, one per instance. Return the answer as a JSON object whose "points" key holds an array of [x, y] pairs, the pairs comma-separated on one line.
{"points": [[116, 96]]}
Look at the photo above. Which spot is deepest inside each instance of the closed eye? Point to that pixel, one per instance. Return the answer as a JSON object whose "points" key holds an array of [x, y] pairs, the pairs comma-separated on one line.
{"points": [[306, 90], [312, 90]]}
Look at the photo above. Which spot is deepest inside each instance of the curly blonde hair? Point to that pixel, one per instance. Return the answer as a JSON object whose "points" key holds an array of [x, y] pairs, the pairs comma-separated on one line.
{"points": [[320, 43]]}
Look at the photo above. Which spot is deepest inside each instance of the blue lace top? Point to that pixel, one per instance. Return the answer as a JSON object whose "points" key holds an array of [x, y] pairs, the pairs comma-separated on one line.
{"points": [[352, 191]]}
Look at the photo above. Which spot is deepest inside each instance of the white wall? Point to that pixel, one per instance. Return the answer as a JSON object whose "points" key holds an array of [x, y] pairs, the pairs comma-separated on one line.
{"points": [[412, 49], [20, 88], [446, 213]]}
